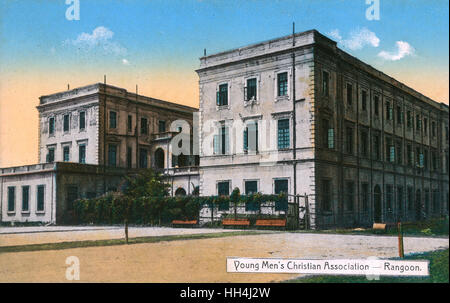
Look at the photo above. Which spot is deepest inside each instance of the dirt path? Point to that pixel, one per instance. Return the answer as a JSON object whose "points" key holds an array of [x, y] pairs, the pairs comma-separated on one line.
{"points": [[198, 260]]}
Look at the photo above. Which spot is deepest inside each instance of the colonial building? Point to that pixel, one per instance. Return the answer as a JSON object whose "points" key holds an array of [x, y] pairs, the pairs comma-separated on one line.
{"points": [[89, 138], [298, 114]]}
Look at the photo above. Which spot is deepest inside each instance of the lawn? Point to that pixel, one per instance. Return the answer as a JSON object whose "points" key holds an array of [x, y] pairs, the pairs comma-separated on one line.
{"points": [[438, 272]]}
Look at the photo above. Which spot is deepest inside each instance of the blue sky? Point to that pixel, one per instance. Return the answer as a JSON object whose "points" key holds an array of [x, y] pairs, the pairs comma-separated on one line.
{"points": [[154, 31]]}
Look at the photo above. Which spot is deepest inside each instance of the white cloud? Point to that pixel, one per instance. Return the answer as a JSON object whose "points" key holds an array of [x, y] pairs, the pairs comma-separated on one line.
{"points": [[403, 49], [100, 38], [359, 38], [125, 62]]}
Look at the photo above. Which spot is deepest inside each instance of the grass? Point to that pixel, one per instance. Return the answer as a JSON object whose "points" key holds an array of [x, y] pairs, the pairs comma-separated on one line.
{"points": [[438, 272], [111, 242]]}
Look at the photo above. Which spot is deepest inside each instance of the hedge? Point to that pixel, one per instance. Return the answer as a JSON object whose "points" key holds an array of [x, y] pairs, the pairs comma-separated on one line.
{"points": [[114, 208]]}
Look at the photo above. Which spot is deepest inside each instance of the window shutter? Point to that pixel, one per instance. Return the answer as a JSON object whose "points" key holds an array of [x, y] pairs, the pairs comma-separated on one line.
{"points": [[246, 139], [421, 160], [216, 144], [246, 94], [227, 141], [218, 98]]}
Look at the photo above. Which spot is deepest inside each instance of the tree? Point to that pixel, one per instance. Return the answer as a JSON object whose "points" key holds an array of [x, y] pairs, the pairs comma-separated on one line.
{"points": [[146, 183]]}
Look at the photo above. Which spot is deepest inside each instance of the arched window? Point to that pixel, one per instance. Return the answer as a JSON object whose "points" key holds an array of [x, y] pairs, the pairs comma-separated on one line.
{"points": [[159, 158], [180, 192]]}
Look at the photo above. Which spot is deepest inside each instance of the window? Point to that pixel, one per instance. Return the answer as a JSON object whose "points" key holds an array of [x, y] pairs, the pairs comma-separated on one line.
{"points": [[328, 134], [389, 197], [25, 198], [11, 198], [409, 154], [419, 157], [376, 105], [376, 146], [364, 196], [82, 120], [51, 126], [250, 90], [399, 153], [281, 186], [40, 198], [129, 156], [112, 155], [251, 187], [66, 153], [51, 155], [162, 126], [326, 195], [282, 84], [425, 126], [364, 100], [349, 195], [349, 140], [410, 198], [66, 123], [143, 163], [222, 95], [130, 123], [349, 94], [388, 111], [251, 137], [221, 140], [390, 150], [418, 122], [144, 126], [325, 83], [283, 133], [82, 153], [223, 189], [433, 129], [399, 115], [112, 119], [400, 197], [434, 160], [364, 143], [408, 119], [425, 159]]}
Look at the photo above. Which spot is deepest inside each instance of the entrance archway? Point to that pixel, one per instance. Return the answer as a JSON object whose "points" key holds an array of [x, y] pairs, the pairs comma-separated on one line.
{"points": [[159, 158], [377, 206], [180, 192]]}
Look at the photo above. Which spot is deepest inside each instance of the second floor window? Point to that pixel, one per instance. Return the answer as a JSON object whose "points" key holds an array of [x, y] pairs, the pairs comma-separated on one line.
{"points": [[82, 120], [388, 111], [328, 133], [349, 94], [144, 126], [364, 144], [282, 84], [222, 95], [130, 123], [408, 119], [349, 139], [112, 119], [399, 115], [221, 140], [66, 153], [161, 126], [376, 105], [66, 123], [283, 133], [376, 147], [251, 137], [250, 89], [51, 155], [51, 125], [82, 153], [364, 100]]}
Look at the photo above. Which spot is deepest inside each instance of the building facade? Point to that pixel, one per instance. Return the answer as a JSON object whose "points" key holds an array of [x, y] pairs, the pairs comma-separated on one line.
{"points": [[89, 139], [299, 115]]}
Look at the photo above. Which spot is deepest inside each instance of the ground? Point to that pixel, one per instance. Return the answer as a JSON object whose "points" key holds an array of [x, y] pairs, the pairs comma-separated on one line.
{"points": [[188, 260]]}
